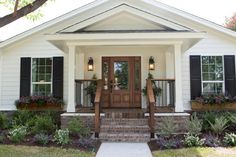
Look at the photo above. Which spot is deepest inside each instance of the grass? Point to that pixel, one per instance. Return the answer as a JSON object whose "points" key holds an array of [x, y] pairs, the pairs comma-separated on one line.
{"points": [[28, 151], [197, 152]]}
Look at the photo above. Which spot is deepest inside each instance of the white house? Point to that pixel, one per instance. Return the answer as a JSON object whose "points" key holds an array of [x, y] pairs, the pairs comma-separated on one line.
{"points": [[120, 36]]}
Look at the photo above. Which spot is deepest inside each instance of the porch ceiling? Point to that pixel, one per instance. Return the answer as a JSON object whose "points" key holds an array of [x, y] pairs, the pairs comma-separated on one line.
{"points": [[186, 39]]}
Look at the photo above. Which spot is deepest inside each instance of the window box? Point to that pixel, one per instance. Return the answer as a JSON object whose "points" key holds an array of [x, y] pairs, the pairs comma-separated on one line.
{"points": [[36, 107], [39, 103], [197, 106]]}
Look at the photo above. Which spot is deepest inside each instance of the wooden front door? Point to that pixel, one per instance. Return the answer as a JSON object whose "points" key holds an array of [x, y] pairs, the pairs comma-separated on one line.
{"points": [[122, 82]]}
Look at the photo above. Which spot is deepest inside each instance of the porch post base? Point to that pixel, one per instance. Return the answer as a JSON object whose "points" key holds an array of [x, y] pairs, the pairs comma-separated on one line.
{"points": [[96, 135]]}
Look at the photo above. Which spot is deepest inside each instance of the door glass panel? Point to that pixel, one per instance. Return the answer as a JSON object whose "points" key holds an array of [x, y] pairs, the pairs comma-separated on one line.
{"points": [[137, 75], [121, 75], [105, 74]]}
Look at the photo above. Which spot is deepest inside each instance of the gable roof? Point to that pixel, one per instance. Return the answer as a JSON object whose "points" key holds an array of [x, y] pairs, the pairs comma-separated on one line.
{"points": [[96, 3]]}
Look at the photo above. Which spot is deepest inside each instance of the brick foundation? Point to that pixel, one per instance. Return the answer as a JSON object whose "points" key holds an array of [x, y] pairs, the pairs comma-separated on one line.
{"points": [[87, 119], [179, 121]]}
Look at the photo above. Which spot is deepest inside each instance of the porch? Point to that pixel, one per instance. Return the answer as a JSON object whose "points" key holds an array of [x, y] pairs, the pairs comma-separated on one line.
{"points": [[130, 50]]}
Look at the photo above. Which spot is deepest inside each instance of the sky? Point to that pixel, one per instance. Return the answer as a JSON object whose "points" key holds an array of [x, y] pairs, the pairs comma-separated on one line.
{"points": [[213, 10]]}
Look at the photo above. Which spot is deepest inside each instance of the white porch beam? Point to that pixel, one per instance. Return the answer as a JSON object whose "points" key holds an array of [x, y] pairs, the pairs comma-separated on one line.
{"points": [[71, 79], [178, 78], [129, 36]]}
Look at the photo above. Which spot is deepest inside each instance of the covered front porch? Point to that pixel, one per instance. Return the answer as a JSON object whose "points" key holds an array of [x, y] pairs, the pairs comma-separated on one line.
{"points": [[119, 52]]}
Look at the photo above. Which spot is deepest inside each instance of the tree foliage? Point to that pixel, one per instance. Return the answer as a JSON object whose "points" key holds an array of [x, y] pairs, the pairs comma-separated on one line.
{"points": [[231, 22], [21, 8]]}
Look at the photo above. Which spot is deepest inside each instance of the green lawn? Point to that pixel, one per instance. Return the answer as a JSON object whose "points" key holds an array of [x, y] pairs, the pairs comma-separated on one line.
{"points": [[197, 152], [26, 151]]}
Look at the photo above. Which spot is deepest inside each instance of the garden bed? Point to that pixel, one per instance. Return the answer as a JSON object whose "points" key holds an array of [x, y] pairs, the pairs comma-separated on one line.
{"points": [[204, 129], [196, 106], [34, 128]]}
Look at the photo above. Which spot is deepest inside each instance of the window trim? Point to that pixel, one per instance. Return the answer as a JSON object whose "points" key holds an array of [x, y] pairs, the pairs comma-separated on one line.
{"points": [[33, 83], [223, 66]]}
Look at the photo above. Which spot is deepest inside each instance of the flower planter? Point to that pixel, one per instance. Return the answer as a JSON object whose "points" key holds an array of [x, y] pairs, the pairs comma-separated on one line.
{"points": [[44, 107], [196, 106]]}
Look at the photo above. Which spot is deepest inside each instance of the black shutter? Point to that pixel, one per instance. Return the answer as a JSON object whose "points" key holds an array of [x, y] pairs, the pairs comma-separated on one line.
{"points": [[58, 66], [230, 85], [195, 76], [25, 77]]}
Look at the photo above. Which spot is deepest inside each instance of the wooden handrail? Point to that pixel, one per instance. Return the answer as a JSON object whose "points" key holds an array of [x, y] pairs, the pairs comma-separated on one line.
{"points": [[84, 80], [97, 107], [164, 79], [151, 102]]}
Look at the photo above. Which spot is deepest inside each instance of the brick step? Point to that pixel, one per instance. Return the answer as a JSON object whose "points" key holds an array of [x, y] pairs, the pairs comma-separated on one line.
{"points": [[124, 115], [124, 129], [124, 137], [124, 121]]}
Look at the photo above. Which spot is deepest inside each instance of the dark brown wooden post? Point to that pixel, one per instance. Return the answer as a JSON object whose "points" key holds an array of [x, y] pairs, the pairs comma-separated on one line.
{"points": [[97, 107], [151, 102]]}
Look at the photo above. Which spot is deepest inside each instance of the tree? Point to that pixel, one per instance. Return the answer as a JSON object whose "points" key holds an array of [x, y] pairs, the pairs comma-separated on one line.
{"points": [[231, 22], [20, 8]]}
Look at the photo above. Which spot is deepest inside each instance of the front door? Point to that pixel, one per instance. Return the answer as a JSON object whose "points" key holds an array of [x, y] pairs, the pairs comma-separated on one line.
{"points": [[122, 82]]}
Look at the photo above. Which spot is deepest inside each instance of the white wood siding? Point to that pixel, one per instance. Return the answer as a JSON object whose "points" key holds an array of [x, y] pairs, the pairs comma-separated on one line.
{"points": [[212, 45], [36, 47]]}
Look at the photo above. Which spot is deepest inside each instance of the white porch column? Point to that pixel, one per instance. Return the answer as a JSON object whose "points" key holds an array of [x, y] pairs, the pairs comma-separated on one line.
{"points": [[178, 79], [71, 79]]}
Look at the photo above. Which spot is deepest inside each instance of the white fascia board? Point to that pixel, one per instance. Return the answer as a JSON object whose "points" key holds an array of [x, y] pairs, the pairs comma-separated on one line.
{"points": [[52, 22], [191, 17], [128, 9], [123, 36]]}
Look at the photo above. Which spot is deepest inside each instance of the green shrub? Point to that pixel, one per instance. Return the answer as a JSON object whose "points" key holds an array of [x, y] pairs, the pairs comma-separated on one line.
{"points": [[230, 139], [208, 117], [194, 126], [76, 127], [232, 118], [17, 134], [219, 125], [22, 117], [62, 137], [43, 124], [3, 121], [167, 126], [193, 140], [2, 138], [41, 138]]}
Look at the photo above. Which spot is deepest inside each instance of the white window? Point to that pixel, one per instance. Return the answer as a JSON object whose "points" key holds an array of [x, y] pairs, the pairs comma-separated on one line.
{"points": [[212, 74], [42, 76]]}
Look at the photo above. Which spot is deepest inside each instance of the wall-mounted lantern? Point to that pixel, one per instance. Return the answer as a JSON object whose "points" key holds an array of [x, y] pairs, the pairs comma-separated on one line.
{"points": [[151, 63], [90, 64]]}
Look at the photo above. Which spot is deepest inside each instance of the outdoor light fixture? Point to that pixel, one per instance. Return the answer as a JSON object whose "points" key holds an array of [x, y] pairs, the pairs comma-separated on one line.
{"points": [[90, 64], [151, 63]]}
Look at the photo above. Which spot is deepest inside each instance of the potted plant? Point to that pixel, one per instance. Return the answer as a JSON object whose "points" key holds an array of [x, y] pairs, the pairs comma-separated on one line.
{"points": [[156, 90], [91, 89], [213, 102]]}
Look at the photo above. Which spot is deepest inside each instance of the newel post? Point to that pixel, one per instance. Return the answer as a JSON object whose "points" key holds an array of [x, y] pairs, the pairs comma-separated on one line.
{"points": [[151, 102], [97, 107]]}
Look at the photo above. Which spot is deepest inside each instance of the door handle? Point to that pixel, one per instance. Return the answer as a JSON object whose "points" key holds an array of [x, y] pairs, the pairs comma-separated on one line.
{"points": [[111, 86]]}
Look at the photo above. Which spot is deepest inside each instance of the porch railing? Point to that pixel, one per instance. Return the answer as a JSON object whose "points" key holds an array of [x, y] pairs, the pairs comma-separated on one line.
{"points": [[160, 93], [85, 92], [164, 92]]}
